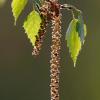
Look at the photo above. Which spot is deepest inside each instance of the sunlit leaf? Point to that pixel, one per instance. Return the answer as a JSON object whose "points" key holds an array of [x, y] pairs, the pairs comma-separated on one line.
{"points": [[32, 26], [73, 40], [17, 7]]}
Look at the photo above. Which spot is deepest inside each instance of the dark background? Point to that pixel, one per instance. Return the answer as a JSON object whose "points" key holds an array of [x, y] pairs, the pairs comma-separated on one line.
{"points": [[24, 77]]}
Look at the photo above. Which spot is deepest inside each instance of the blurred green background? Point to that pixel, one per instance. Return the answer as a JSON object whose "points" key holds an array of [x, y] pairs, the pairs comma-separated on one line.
{"points": [[24, 77]]}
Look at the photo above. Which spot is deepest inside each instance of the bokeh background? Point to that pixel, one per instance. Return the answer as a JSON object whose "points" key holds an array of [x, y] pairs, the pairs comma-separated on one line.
{"points": [[24, 77]]}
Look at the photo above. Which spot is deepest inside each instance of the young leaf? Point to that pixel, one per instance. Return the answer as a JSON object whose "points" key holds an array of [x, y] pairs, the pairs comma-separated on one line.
{"points": [[17, 7], [73, 40], [32, 26]]}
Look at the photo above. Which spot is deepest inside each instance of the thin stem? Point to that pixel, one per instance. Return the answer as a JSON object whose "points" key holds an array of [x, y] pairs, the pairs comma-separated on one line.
{"points": [[69, 7], [73, 14]]}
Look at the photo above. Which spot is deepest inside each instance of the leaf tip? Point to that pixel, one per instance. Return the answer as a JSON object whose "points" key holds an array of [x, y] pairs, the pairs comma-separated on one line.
{"points": [[74, 64], [74, 61]]}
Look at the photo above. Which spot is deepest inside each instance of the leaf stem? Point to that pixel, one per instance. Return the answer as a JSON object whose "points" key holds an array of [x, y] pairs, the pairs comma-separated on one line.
{"points": [[69, 7]]}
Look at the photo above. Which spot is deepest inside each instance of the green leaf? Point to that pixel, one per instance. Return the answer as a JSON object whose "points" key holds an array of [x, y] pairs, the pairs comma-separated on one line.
{"points": [[17, 7], [73, 40], [32, 26]]}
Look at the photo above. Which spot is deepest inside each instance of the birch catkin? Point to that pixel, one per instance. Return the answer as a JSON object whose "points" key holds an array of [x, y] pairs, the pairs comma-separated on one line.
{"points": [[55, 58]]}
